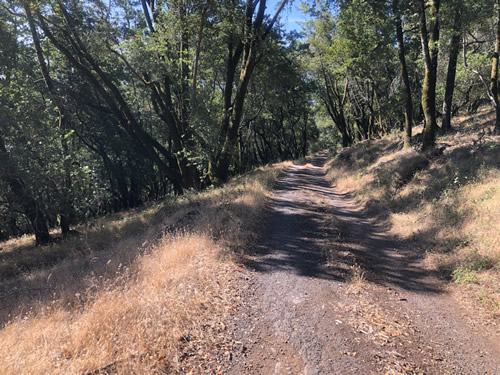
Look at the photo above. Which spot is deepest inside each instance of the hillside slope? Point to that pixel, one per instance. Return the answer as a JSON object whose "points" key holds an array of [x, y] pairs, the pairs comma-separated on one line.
{"points": [[445, 203], [145, 294]]}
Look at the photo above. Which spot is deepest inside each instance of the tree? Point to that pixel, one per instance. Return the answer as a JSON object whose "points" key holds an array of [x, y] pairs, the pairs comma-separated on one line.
{"points": [[430, 52], [404, 74], [117, 104], [452, 67], [21, 197], [254, 35], [66, 38], [277, 124], [67, 209], [494, 71], [352, 60]]}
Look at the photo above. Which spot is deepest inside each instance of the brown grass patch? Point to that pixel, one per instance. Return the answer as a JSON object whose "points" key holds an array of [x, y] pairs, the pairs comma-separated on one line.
{"points": [[153, 301], [447, 204], [136, 324]]}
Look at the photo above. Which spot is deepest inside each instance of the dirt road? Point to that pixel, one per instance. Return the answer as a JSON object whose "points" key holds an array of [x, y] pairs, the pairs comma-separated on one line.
{"points": [[311, 310]]}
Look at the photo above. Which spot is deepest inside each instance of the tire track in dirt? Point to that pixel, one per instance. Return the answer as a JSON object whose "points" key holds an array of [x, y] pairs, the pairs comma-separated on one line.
{"points": [[304, 315]]}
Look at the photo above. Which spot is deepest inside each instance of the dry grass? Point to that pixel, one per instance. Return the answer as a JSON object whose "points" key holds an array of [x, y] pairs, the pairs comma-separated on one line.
{"points": [[448, 204], [19, 255], [358, 280], [138, 323], [152, 302]]}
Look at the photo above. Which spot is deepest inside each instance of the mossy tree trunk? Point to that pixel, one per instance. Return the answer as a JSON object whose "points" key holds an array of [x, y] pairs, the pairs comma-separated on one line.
{"points": [[430, 51]]}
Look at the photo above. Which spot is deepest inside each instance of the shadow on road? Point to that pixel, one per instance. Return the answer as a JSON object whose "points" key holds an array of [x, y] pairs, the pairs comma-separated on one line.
{"points": [[298, 236]]}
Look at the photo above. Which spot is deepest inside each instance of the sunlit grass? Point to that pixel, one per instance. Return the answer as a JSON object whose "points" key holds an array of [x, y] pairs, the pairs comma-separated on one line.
{"points": [[448, 204], [141, 290]]}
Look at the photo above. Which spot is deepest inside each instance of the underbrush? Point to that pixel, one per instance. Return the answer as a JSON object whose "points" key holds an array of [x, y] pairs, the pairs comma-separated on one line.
{"points": [[144, 293], [20, 255], [445, 203]]}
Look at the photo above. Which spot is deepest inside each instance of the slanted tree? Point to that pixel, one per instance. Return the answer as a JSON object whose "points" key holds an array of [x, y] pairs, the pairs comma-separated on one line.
{"points": [[66, 38], [54, 95]]}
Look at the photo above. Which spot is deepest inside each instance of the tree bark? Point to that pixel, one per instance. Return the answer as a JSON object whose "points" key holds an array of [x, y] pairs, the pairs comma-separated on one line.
{"points": [[404, 74], [430, 51], [494, 72], [452, 71]]}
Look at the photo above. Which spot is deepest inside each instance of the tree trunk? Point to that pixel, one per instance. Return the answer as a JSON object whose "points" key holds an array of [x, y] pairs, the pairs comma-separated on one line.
{"points": [[335, 102], [219, 170], [102, 83], [177, 117], [404, 74], [430, 51], [66, 207], [494, 73], [64, 224], [452, 71], [304, 135], [22, 198], [252, 39]]}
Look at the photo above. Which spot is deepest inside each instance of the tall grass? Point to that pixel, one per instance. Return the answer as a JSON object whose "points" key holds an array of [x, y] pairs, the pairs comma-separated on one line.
{"points": [[446, 203], [138, 301]]}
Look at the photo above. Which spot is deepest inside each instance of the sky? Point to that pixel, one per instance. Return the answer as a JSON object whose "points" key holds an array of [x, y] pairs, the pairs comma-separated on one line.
{"points": [[291, 17]]}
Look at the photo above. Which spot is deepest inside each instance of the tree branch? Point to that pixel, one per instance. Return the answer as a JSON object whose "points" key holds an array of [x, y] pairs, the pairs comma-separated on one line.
{"points": [[477, 72], [12, 12], [148, 16], [275, 17]]}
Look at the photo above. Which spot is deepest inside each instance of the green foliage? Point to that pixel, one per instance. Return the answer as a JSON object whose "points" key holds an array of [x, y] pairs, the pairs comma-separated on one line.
{"points": [[78, 147], [466, 271], [464, 275], [138, 108], [353, 63]]}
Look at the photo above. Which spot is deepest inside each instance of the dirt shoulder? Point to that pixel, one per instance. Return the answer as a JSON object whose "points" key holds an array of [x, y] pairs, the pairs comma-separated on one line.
{"points": [[330, 292]]}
